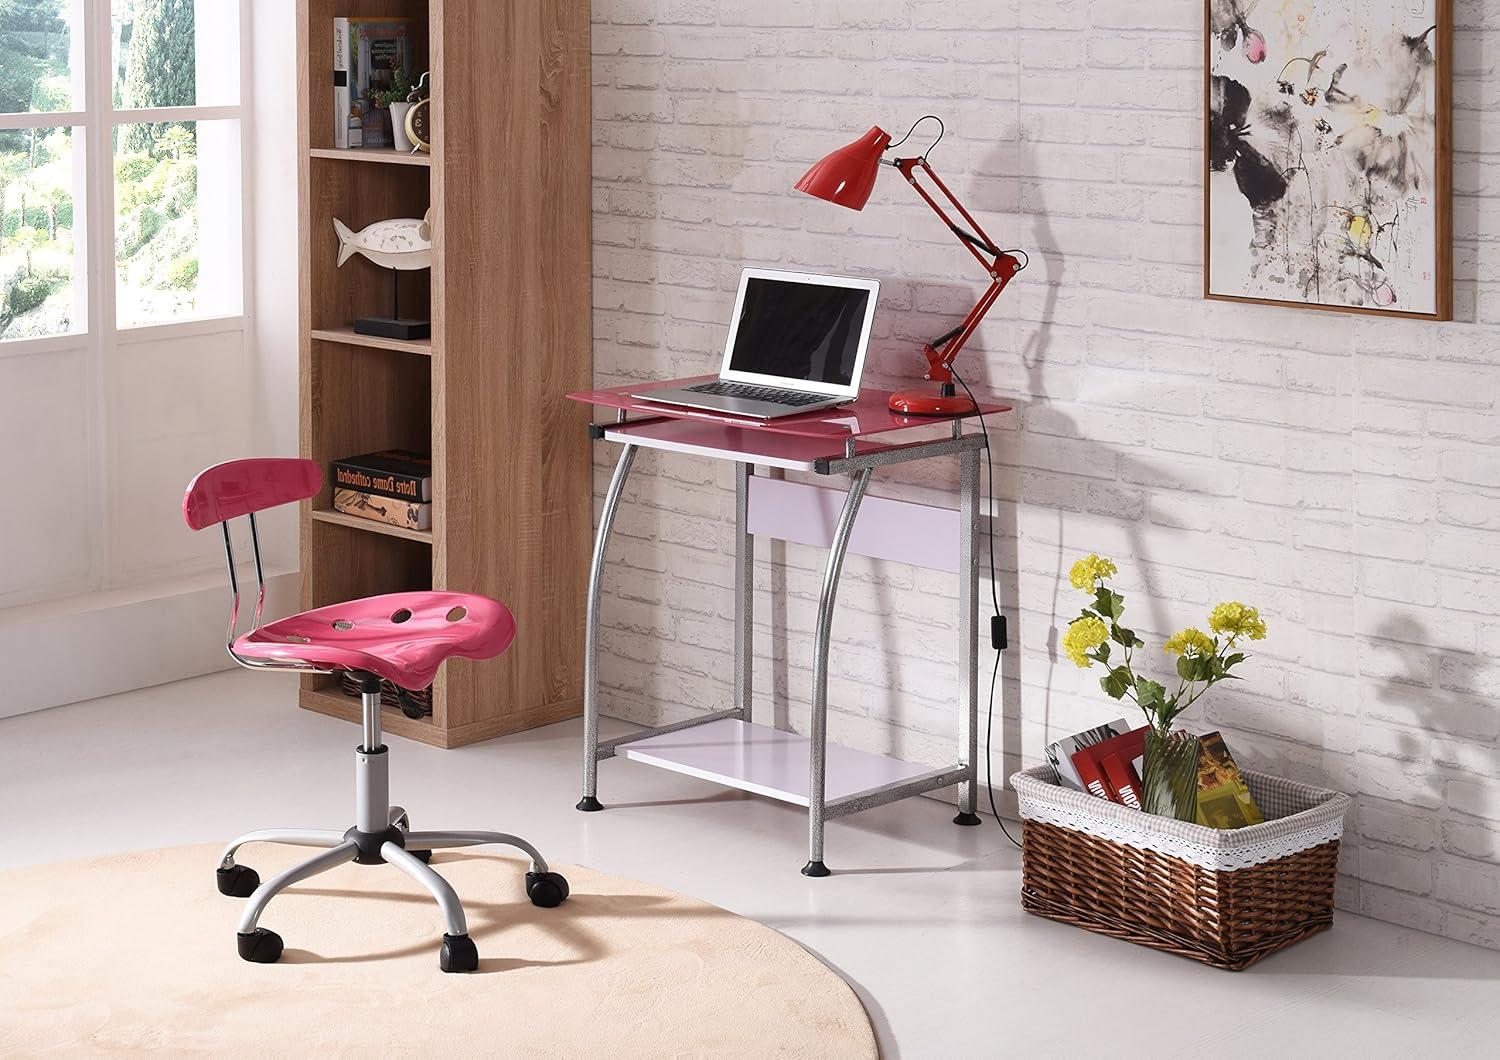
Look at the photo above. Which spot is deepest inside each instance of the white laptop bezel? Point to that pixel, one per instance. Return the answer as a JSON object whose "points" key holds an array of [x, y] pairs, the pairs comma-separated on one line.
{"points": [[781, 382]]}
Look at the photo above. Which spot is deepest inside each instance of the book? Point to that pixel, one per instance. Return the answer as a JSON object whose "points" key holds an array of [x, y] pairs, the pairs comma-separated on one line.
{"points": [[366, 53], [343, 102], [1224, 799], [398, 473], [383, 509], [1060, 752], [1110, 768]]}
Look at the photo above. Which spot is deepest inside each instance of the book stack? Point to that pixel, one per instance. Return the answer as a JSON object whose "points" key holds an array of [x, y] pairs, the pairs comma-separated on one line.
{"points": [[366, 54], [392, 486], [1107, 762]]}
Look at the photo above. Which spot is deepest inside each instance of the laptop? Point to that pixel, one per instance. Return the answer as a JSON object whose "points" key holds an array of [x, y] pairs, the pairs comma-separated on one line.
{"points": [[797, 342]]}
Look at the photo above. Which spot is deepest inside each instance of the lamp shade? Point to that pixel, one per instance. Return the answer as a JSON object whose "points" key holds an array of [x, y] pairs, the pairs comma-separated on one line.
{"points": [[847, 176]]}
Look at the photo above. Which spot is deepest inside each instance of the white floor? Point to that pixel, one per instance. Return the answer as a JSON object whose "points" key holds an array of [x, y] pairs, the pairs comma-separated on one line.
{"points": [[922, 917]]}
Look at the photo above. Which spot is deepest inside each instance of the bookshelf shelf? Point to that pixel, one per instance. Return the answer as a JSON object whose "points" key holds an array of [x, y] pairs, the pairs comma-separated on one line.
{"points": [[338, 518], [348, 336], [511, 460], [380, 155]]}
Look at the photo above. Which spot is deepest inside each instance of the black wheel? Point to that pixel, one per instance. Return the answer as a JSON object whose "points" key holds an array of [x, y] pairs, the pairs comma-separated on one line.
{"points": [[424, 856], [546, 889], [238, 881], [260, 946], [458, 954]]}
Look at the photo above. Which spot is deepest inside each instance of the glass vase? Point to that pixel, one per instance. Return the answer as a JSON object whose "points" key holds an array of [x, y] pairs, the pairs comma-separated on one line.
{"points": [[1170, 786]]}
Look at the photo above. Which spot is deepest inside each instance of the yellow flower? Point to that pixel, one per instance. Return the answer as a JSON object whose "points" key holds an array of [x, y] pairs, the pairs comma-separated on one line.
{"points": [[1190, 639], [1084, 634], [1089, 570], [1237, 620]]}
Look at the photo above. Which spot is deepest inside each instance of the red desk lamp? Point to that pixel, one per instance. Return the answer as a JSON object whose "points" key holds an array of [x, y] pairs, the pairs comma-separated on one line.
{"points": [[846, 177]]}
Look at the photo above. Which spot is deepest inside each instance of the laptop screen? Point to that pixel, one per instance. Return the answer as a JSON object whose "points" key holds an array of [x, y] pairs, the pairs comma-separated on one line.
{"points": [[812, 332]]}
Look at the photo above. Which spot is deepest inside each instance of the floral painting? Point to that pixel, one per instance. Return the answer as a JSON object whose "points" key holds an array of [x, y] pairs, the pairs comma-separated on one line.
{"points": [[1326, 173]]}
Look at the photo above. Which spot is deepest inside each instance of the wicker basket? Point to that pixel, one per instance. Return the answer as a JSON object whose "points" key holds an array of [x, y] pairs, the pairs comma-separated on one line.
{"points": [[349, 685], [1226, 898]]}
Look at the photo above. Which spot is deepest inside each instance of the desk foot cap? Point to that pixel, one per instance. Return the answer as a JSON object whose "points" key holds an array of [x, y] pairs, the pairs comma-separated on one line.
{"points": [[589, 804], [969, 819], [815, 868]]}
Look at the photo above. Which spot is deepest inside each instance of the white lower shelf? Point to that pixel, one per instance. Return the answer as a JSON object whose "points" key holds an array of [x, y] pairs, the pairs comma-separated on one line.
{"points": [[768, 761]]}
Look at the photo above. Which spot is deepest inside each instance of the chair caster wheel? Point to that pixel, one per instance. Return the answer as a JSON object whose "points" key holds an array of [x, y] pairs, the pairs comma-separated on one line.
{"points": [[546, 889], [238, 881], [458, 954], [424, 856], [260, 946]]}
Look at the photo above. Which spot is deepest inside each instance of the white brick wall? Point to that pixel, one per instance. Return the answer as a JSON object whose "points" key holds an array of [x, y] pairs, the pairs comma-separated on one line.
{"points": [[1341, 472]]}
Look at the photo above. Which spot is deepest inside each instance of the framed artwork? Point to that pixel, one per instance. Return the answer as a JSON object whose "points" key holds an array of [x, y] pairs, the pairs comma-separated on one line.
{"points": [[1327, 164]]}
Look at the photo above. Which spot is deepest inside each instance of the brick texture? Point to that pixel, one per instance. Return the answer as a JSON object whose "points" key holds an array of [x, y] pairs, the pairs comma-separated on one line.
{"points": [[1341, 472]]}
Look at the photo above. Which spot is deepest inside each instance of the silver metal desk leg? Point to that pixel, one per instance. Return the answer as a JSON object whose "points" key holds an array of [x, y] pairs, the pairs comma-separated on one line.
{"points": [[590, 800], [744, 592], [968, 642], [817, 756]]}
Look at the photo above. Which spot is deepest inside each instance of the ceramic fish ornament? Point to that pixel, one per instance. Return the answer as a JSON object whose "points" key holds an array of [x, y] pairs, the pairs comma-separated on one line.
{"points": [[400, 243]]}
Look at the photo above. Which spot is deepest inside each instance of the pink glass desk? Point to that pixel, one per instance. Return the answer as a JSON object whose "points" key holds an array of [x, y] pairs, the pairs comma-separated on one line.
{"points": [[853, 440]]}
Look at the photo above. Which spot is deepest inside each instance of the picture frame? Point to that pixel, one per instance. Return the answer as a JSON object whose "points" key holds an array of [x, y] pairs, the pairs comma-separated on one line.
{"points": [[1342, 204]]}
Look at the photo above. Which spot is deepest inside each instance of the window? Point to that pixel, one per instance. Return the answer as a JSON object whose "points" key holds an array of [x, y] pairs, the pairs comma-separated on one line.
{"points": [[120, 155]]}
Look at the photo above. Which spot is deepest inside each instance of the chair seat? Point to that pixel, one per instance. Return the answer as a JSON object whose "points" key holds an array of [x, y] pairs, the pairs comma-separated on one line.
{"points": [[403, 637]]}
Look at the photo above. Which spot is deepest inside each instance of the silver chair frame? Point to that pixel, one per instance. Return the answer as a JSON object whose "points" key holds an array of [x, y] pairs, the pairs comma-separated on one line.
{"points": [[382, 831]]}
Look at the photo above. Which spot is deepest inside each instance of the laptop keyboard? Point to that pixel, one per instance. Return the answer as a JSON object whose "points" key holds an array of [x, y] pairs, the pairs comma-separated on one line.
{"points": [[750, 392]]}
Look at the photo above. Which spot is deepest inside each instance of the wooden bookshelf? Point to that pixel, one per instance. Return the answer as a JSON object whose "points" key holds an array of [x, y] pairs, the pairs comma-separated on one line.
{"points": [[508, 184]]}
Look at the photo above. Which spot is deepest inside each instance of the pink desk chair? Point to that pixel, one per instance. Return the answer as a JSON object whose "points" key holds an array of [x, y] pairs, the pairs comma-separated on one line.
{"points": [[402, 637]]}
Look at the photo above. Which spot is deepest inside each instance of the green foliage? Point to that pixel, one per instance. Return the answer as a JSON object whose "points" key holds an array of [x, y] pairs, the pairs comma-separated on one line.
{"points": [[160, 65], [26, 291], [183, 274], [33, 55], [399, 90]]}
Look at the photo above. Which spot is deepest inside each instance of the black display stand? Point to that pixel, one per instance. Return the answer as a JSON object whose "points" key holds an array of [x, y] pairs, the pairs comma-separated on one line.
{"points": [[394, 326]]}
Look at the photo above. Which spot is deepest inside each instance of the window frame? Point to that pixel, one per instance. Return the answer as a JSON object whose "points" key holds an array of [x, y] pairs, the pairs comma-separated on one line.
{"points": [[94, 127]]}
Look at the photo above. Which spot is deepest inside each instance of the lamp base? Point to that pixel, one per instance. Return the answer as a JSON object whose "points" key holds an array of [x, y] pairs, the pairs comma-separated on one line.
{"points": [[929, 403]]}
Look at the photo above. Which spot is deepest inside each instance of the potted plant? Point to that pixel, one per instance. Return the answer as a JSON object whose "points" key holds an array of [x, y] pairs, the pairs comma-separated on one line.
{"points": [[1098, 637], [394, 99]]}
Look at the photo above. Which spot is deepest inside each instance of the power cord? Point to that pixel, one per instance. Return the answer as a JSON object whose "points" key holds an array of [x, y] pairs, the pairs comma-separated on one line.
{"points": [[989, 722]]}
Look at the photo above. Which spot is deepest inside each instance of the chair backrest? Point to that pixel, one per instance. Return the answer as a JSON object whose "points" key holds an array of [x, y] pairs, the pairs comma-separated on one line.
{"points": [[243, 487], [240, 487]]}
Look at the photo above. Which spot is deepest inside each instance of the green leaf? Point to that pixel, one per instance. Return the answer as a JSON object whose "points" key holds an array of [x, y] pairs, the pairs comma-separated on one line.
{"points": [[1116, 683], [1102, 653], [1187, 669], [1109, 603], [1150, 695], [1125, 636], [1234, 660]]}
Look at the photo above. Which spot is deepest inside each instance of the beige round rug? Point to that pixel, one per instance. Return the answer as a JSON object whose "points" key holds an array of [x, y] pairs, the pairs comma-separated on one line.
{"points": [[137, 952]]}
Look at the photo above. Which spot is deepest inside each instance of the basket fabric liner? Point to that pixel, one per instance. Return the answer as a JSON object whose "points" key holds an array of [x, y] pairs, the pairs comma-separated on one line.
{"points": [[1298, 817]]}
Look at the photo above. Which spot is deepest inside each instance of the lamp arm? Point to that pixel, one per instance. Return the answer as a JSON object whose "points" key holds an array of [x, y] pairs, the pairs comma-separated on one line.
{"points": [[1000, 265]]}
